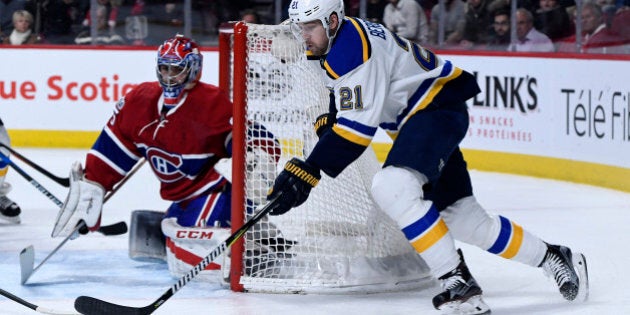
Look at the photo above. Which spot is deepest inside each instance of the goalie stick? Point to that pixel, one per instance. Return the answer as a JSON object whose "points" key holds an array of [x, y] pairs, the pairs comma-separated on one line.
{"points": [[93, 306], [27, 255], [59, 180], [32, 306]]}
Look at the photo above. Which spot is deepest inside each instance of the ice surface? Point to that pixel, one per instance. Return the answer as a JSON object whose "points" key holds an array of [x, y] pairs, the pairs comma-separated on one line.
{"points": [[588, 219]]}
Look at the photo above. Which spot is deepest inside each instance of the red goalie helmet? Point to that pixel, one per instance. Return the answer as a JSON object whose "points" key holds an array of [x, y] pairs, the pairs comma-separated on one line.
{"points": [[179, 64]]}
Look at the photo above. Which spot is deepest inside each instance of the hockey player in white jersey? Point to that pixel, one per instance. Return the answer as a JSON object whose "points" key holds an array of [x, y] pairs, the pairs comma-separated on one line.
{"points": [[377, 79]]}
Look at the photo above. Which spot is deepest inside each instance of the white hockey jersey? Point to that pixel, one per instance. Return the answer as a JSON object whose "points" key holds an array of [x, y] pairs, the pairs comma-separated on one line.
{"points": [[381, 79]]}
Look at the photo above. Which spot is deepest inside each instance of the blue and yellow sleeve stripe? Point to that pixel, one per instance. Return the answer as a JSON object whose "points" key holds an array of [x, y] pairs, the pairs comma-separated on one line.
{"points": [[354, 132]]}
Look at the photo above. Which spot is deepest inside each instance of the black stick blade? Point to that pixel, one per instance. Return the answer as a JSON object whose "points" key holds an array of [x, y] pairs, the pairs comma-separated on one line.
{"points": [[114, 229], [91, 306]]}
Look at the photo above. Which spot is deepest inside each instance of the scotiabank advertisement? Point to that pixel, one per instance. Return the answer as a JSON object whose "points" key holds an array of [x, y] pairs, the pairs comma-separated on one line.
{"points": [[75, 89], [570, 108]]}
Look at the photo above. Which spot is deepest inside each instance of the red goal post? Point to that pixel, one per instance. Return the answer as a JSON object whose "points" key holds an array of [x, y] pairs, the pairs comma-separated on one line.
{"points": [[338, 240]]}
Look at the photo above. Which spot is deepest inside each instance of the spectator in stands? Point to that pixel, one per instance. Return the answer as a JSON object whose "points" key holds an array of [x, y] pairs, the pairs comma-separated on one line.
{"points": [[530, 5], [407, 19], [528, 38], [170, 14], [352, 7], [500, 38], [163, 18], [106, 20], [7, 7], [608, 10], [475, 28], [621, 22], [375, 9], [553, 20], [58, 18], [250, 16], [107, 13], [621, 5], [427, 6], [22, 30], [453, 13], [208, 16], [597, 38]]}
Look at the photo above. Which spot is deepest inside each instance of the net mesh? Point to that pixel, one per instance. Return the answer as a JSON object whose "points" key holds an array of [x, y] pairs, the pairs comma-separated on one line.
{"points": [[337, 240]]}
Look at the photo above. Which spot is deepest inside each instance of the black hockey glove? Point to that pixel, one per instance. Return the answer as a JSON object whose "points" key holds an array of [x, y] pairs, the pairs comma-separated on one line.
{"points": [[295, 182], [323, 123]]}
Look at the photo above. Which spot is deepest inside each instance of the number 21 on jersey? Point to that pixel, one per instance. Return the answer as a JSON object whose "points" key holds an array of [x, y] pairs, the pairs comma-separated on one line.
{"points": [[349, 98]]}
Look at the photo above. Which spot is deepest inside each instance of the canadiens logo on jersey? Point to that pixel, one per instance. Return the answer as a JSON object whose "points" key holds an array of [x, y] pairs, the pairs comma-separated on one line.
{"points": [[181, 146], [166, 165]]}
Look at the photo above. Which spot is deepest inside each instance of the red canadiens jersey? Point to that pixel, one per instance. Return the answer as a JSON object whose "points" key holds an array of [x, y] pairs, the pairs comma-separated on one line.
{"points": [[181, 145]]}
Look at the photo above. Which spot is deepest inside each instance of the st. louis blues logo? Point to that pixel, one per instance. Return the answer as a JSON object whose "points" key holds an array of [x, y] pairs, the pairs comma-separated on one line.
{"points": [[166, 165]]}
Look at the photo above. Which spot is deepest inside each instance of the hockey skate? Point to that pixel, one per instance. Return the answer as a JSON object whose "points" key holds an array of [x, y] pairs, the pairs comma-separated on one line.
{"points": [[462, 294], [9, 210], [568, 270]]}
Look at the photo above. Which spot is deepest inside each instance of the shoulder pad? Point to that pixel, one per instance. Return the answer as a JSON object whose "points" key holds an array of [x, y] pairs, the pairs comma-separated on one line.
{"points": [[350, 49]]}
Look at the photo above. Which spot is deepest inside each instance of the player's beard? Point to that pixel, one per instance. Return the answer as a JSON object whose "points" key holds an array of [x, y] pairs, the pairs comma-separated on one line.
{"points": [[316, 50]]}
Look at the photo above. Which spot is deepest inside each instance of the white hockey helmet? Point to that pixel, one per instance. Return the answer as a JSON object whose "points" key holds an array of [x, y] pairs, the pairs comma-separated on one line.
{"points": [[302, 11]]}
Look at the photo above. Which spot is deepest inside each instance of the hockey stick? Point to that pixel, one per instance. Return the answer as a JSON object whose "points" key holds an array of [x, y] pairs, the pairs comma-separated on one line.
{"points": [[114, 229], [27, 255], [59, 180], [32, 306], [89, 305]]}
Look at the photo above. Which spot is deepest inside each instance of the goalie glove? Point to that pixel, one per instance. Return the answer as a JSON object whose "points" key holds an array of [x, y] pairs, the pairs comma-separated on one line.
{"points": [[83, 203], [295, 183], [323, 123]]}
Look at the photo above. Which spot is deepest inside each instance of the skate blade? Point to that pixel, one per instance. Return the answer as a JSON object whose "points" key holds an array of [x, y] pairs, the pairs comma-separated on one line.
{"points": [[12, 220], [579, 263], [473, 306]]}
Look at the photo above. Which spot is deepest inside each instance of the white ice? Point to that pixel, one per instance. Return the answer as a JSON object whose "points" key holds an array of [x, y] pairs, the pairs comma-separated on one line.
{"points": [[588, 219]]}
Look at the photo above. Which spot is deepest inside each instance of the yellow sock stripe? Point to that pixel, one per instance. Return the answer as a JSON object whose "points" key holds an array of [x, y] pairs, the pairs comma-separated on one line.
{"points": [[3, 171], [430, 237], [515, 242]]}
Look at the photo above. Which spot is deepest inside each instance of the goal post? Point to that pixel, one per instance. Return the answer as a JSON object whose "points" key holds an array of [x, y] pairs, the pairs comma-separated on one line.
{"points": [[338, 240]]}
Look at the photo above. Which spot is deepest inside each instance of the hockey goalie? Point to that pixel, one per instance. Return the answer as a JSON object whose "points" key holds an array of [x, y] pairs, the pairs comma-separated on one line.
{"points": [[182, 128]]}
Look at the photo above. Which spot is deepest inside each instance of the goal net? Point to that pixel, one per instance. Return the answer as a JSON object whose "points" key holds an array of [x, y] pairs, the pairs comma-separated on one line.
{"points": [[338, 240]]}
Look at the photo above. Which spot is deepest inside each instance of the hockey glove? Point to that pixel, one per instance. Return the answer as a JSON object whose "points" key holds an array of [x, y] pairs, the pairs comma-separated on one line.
{"points": [[84, 203], [295, 182], [323, 123]]}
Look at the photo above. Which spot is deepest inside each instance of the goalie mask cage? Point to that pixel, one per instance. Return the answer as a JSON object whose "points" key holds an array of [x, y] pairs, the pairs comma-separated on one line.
{"points": [[337, 241]]}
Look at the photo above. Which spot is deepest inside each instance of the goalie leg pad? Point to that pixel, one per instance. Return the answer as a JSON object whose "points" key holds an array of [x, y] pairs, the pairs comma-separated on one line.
{"points": [[146, 240], [187, 246], [472, 224]]}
